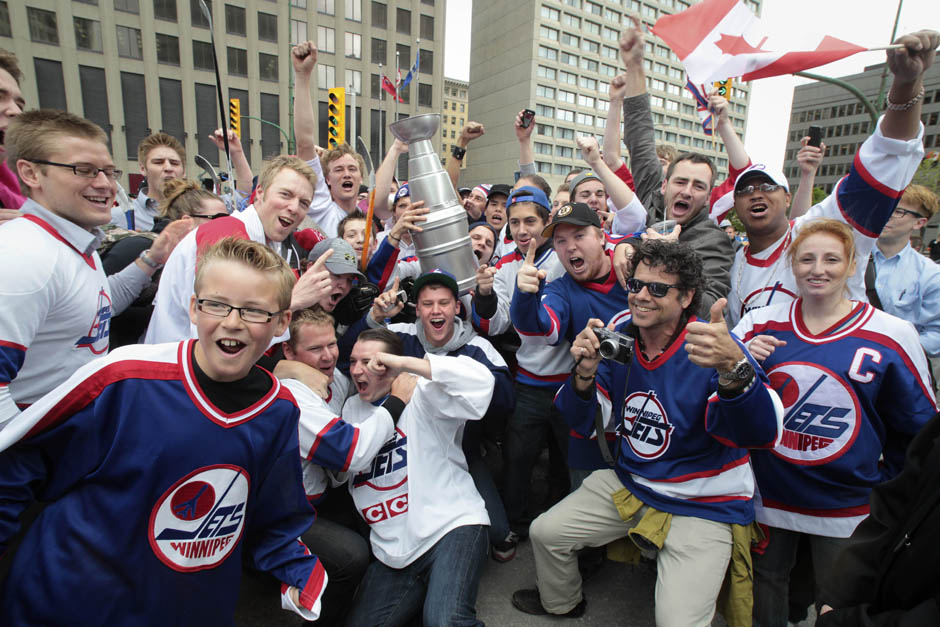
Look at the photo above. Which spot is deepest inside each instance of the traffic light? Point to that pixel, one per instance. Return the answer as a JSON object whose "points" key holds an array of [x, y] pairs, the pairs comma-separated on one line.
{"points": [[724, 88], [235, 115], [336, 117]]}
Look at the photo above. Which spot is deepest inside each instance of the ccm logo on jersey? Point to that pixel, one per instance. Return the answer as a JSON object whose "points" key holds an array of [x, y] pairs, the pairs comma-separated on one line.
{"points": [[97, 339], [197, 522], [645, 425], [383, 511], [821, 421]]}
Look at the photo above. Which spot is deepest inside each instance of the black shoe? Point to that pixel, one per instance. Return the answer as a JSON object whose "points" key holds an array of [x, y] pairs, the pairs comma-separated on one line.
{"points": [[528, 601]]}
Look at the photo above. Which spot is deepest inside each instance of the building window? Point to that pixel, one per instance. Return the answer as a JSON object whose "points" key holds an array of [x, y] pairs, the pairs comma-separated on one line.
{"points": [[353, 45], [426, 61], [267, 26], [42, 26], [5, 29], [237, 61], [128, 43], [567, 96], [586, 101], [546, 72], [567, 77], [300, 4], [544, 111], [565, 133], [403, 21], [550, 14], [298, 31], [404, 59], [543, 149], [545, 129], [168, 49], [93, 85], [591, 46], [134, 97], [548, 33], [588, 83], [131, 6], [569, 59], [326, 6], [87, 34], [195, 13], [589, 64], [354, 10], [571, 20], [235, 20], [326, 76], [353, 83], [426, 30], [379, 15], [267, 66], [542, 91], [202, 55], [424, 95], [548, 53], [326, 39], [165, 10], [570, 40], [565, 115], [51, 85], [379, 51]]}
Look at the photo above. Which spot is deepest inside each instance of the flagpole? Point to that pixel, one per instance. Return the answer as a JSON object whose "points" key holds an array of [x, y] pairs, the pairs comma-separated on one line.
{"points": [[397, 80], [417, 89], [381, 114]]}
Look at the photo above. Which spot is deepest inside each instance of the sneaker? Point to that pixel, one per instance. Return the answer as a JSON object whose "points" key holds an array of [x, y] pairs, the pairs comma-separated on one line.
{"points": [[506, 550], [528, 601]]}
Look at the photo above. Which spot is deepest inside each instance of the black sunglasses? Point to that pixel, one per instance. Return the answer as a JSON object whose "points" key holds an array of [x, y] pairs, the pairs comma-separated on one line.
{"points": [[655, 289]]}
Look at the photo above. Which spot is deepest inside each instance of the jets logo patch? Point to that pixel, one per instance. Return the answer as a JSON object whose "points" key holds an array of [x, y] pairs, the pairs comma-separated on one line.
{"points": [[645, 425], [821, 414], [197, 522]]}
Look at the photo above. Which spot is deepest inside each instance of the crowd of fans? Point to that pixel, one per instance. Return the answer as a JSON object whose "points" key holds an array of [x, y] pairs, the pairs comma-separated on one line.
{"points": [[186, 377]]}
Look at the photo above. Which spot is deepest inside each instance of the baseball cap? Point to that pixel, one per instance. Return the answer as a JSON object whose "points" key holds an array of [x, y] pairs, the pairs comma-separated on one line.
{"points": [[499, 188], [463, 190], [529, 193], [435, 277], [343, 259], [576, 213], [725, 224], [760, 169], [584, 176], [402, 192]]}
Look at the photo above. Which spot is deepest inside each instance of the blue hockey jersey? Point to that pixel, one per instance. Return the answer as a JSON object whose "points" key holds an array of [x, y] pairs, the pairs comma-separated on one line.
{"points": [[854, 392], [154, 494], [681, 448]]}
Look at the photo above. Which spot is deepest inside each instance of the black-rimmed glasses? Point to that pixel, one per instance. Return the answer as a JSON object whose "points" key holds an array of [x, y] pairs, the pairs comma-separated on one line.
{"points": [[222, 310], [84, 170], [658, 290], [900, 213]]}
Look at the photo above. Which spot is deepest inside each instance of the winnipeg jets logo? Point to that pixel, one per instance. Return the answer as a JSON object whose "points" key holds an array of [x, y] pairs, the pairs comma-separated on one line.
{"points": [[197, 522], [97, 339], [645, 425], [820, 422]]}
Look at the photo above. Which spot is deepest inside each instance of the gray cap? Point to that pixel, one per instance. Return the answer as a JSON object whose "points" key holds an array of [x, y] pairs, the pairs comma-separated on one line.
{"points": [[342, 261], [584, 176]]}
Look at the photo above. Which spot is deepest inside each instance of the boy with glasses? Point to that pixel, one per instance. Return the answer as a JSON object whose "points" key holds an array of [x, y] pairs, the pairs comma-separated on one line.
{"points": [[161, 466]]}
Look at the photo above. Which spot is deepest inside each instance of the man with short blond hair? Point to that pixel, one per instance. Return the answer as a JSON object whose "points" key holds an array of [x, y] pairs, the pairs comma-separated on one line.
{"points": [[161, 157]]}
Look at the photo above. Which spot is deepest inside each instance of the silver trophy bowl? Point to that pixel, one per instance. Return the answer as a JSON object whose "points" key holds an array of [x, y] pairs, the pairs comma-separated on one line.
{"points": [[445, 241]]}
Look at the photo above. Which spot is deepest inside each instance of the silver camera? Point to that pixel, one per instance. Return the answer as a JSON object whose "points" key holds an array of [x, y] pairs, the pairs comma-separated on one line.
{"points": [[615, 346]]}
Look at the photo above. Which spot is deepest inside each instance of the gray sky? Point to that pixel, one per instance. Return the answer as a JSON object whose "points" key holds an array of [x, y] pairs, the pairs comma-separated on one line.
{"points": [[863, 22]]}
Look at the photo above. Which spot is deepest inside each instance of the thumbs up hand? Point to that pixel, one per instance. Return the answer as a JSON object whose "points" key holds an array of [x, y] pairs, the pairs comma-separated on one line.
{"points": [[709, 344], [529, 277]]}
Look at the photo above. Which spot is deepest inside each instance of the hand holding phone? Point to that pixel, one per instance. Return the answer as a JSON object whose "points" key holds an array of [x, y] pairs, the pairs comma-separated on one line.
{"points": [[527, 116], [815, 136]]}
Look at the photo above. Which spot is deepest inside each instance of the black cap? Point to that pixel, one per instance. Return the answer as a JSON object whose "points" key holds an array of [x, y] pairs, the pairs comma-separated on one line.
{"points": [[576, 213], [499, 188], [435, 277]]}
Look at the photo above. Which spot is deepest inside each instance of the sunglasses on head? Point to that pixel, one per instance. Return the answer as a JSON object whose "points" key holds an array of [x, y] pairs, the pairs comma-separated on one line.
{"points": [[635, 286]]}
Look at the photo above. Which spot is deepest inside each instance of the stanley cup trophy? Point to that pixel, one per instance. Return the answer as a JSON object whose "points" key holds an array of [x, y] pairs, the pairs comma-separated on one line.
{"points": [[445, 241]]}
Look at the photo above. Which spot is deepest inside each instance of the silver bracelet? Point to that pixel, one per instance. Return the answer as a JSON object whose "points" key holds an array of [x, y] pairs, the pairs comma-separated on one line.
{"points": [[890, 106], [147, 259]]}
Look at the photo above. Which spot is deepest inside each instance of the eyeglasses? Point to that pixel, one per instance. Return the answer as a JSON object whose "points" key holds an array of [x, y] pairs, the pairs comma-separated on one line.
{"points": [[747, 190], [655, 289], [209, 216], [84, 170], [900, 213], [221, 310]]}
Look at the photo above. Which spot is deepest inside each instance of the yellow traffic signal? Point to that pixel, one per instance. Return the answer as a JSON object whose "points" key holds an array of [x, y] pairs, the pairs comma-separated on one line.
{"points": [[724, 88], [235, 115], [336, 117]]}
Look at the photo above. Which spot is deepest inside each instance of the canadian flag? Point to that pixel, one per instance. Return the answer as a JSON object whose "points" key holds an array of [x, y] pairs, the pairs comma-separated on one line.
{"points": [[718, 39]]}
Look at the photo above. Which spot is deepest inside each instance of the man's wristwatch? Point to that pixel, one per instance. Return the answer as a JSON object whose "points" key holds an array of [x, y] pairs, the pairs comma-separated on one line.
{"points": [[741, 371], [147, 259], [458, 152]]}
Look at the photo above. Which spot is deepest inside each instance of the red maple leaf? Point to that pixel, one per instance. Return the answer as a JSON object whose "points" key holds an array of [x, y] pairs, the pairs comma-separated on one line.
{"points": [[736, 44]]}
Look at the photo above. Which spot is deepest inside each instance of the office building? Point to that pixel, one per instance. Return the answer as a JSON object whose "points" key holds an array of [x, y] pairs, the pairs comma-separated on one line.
{"points": [[454, 115], [140, 66], [557, 57]]}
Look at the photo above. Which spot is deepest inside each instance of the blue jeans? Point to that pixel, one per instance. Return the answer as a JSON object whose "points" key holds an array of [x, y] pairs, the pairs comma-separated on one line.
{"points": [[772, 572], [534, 421], [483, 480], [444, 580]]}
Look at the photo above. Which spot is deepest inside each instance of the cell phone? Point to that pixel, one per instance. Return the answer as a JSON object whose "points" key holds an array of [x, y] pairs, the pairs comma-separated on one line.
{"points": [[401, 297], [527, 116], [815, 136]]}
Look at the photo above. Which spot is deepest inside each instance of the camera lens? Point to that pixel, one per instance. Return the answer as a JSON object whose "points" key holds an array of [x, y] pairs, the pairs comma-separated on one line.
{"points": [[608, 349]]}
